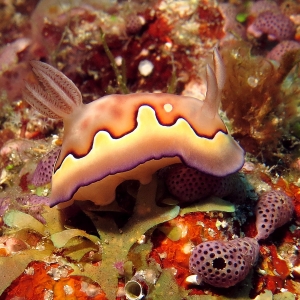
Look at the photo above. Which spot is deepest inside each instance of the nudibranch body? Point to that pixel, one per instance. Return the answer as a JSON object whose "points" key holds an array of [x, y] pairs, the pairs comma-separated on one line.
{"points": [[130, 137]]}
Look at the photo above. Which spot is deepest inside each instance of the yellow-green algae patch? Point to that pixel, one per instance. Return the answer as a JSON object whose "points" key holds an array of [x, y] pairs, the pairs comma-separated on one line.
{"points": [[167, 288], [116, 243], [19, 220], [174, 233], [267, 295], [15, 265], [60, 239], [210, 204], [22, 224]]}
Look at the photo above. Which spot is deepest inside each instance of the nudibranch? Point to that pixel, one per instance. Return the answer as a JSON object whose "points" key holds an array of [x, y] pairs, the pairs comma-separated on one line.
{"points": [[130, 137]]}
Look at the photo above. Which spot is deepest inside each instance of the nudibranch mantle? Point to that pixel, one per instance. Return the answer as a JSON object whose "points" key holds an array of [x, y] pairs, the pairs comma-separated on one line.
{"points": [[130, 137]]}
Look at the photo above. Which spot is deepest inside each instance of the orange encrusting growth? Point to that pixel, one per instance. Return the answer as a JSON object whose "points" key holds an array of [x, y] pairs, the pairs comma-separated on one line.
{"points": [[35, 286], [175, 254]]}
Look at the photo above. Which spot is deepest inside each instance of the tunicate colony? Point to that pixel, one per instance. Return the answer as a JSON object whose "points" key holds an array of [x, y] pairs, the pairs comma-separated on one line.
{"points": [[225, 263]]}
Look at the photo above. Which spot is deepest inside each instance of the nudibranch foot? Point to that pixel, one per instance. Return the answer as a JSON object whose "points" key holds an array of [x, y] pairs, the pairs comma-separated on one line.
{"points": [[129, 137]]}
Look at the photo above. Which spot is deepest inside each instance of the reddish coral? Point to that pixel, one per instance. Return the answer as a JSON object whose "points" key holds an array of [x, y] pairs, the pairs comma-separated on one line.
{"points": [[271, 283], [160, 29], [295, 190], [249, 228], [276, 268], [277, 264], [40, 281], [211, 22], [24, 183]]}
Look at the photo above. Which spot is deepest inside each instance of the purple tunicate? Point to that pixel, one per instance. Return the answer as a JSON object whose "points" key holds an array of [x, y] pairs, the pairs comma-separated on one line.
{"points": [[273, 210], [4, 205], [283, 47], [27, 203], [32, 205], [43, 172], [259, 7], [134, 24], [224, 264], [231, 25], [276, 25], [190, 185]]}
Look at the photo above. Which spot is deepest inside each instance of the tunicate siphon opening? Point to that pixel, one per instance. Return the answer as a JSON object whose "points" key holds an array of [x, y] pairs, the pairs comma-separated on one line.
{"points": [[219, 263]]}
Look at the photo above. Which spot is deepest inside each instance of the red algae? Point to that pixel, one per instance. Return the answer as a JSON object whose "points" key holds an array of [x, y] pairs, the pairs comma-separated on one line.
{"points": [[211, 22], [271, 283], [39, 281], [160, 29], [276, 264]]}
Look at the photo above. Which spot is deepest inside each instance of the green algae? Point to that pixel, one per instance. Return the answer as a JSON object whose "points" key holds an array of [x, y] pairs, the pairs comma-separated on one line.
{"points": [[20, 220], [76, 243], [120, 76], [167, 288], [60, 239], [116, 243], [267, 294], [284, 296], [114, 247], [173, 233], [139, 253], [210, 204]]}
